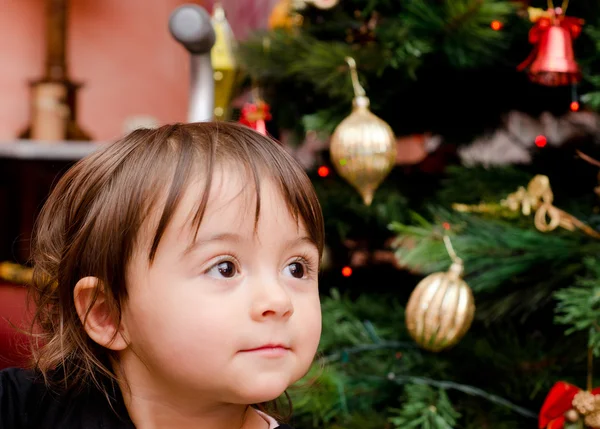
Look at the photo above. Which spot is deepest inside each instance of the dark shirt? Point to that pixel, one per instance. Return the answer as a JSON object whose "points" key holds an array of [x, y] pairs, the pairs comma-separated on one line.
{"points": [[27, 403]]}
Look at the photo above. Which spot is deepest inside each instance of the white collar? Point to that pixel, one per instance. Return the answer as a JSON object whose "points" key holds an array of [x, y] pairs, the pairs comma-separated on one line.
{"points": [[272, 422]]}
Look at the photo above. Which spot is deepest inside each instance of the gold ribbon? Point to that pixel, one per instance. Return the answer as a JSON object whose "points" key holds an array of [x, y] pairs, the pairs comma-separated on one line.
{"points": [[537, 197]]}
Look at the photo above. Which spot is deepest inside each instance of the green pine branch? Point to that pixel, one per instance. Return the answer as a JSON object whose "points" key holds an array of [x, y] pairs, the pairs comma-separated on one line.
{"points": [[590, 72], [368, 364], [279, 55], [494, 251], [424, 408], [578, 306], [461, 28], [306, 65]]}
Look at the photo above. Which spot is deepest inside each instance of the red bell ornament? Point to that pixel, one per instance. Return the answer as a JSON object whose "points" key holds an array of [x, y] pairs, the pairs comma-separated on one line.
{"points": [[552, 62], [255, 115]]}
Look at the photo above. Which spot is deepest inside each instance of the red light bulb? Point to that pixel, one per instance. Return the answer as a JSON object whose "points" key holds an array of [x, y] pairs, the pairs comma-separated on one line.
{"points": [[323, 171], [496, 25], [541, 141]]}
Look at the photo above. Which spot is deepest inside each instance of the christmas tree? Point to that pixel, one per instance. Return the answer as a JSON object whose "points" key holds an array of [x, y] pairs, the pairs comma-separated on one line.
{"points": [[495, 173]]}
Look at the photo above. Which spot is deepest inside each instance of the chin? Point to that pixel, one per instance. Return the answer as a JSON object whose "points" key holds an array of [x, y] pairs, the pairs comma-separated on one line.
{"points": [[263, 389]]}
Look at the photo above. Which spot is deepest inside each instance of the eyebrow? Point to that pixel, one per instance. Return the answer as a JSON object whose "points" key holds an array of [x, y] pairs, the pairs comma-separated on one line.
{"points": [[236, 238], [226, 236], [302, 240]]}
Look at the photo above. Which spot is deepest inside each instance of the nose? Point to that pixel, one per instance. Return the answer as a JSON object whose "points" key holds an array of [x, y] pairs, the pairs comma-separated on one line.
{"points": [[271, 300]]}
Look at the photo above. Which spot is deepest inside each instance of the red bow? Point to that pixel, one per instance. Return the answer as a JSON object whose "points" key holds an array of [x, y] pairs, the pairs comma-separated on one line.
{"points": [[557, 403], [255, 115]]}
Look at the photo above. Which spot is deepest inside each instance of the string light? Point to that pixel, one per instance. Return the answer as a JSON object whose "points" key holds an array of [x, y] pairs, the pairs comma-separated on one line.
{"points": [[323, 171], [346, 271], [541, 141], [574, 106], [496, 25]]}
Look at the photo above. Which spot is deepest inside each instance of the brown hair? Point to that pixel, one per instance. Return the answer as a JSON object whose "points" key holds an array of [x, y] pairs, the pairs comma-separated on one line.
{"points": [[90, 224]]}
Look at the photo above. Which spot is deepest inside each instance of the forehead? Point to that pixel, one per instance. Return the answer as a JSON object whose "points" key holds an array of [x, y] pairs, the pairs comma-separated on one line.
{"points": [[232, 205]]}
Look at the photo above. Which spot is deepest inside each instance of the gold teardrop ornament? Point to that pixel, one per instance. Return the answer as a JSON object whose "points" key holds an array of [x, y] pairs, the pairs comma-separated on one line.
{"points": [[363, 146]]}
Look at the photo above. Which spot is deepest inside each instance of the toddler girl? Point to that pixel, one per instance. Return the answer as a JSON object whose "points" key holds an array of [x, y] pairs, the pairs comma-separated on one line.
{"points": [[175, 283]]}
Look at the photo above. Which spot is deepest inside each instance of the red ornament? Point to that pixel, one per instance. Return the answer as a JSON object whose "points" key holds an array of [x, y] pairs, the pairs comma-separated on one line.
{"points": [[255, 115], [346, 271], [574, 106], [557, 403], [552, 62], [496, 25], [541, 141], [323, 171]]}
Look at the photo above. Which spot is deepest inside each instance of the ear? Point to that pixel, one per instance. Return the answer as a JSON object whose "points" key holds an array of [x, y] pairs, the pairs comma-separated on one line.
{"points": [[98, 321]]}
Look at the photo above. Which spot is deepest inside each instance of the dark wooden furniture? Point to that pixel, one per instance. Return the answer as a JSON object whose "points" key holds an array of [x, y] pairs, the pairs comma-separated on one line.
{"points": [[14, 316], [28, 171]]}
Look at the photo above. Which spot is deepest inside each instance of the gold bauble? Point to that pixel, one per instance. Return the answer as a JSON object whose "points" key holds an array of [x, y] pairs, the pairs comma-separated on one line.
{"points": [[363, 146], [225, 68], [440, 309], [323, 4]]}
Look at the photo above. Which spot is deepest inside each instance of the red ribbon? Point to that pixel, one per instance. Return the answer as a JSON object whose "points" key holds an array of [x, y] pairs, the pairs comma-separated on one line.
{"points": [[557, 403], [571, 24]]}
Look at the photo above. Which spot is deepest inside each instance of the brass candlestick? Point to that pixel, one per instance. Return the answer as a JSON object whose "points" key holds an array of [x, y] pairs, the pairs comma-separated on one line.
{"points": [[53, 97]]}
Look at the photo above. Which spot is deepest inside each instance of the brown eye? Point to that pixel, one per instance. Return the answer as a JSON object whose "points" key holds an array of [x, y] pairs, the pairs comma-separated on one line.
{"points": [[297, 270], [226, 269], [223, 270]]}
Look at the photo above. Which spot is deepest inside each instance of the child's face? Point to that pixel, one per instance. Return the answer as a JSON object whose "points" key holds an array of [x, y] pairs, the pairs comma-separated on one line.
{"points": [[196, 319]]}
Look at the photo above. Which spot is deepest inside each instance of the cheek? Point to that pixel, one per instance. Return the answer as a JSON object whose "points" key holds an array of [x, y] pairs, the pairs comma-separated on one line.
{"points": [[165, 324], [310, 327]]}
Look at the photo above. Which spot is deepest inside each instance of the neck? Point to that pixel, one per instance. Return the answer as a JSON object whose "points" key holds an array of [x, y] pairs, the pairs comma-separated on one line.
{"points": [[161, 406], [148, 413]]}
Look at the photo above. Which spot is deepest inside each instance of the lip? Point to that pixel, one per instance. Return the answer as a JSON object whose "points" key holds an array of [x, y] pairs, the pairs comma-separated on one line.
{"points": [[269, 350]]}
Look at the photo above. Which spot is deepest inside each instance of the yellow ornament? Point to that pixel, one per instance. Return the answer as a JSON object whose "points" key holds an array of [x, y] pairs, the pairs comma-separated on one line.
{"points": [[285, 15], [15, 273], [441, 307], [224, 63], [363, 146]]}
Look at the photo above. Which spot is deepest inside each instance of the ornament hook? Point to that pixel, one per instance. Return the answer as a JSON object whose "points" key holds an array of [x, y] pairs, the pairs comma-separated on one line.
{"points": [[451, 251], [457, 266]]}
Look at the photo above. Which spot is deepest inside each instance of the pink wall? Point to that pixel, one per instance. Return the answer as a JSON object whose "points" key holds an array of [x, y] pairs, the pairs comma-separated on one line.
{"points": [[120, 50]]}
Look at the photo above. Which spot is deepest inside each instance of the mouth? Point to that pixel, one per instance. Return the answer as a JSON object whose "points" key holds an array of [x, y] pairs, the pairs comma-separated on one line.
{"points": [[269, 350]]}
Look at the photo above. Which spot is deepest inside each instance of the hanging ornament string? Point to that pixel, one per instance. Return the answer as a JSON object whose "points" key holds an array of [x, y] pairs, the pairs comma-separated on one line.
{"points": [[359, 91], [563, 9], [590, 369], [451, 252]]}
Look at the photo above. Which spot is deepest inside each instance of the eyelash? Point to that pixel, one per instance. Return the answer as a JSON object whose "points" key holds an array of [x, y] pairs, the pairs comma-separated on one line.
{"points": [[224, 258], [307, 261]]}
